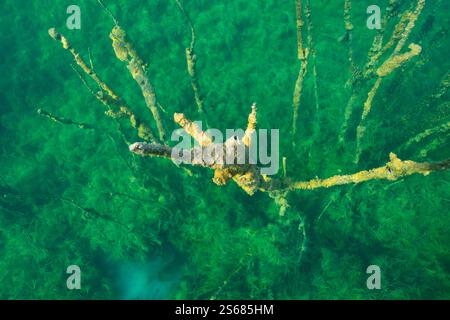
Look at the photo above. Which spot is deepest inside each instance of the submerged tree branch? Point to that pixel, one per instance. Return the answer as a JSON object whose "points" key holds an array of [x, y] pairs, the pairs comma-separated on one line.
{"points": [[393, 170], [303, 55], [125, 52], [116, 106], [62, 120], [392, 63], [191, 60], [247, 175]]}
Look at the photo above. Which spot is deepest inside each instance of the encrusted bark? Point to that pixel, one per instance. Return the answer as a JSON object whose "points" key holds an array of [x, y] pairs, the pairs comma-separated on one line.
{"points": [[224, 158]]}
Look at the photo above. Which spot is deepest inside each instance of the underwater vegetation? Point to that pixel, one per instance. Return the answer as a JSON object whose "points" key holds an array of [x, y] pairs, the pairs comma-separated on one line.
{"points": [[350, 104]]}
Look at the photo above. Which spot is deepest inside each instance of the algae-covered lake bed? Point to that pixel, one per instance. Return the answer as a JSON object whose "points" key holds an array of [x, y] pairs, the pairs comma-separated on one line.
{"points": [[225, 149]]}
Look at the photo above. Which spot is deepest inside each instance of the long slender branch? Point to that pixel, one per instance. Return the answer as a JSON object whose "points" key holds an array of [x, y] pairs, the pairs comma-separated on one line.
{"points": [[444, 85], [393, 170], [437, 142], [303, 54], [386, 69], [410, 26], [297, 96], [11, 192], [312, 50], [348, 111], [443, 128], [348, 29], [377, 48], [361, 129], [62, 120], [299, 22], [191, 60], [348, 37], [83, 65]]}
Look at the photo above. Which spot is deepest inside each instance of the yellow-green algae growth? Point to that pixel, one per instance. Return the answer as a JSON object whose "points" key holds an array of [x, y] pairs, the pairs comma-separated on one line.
{"points": [[140, 227]]}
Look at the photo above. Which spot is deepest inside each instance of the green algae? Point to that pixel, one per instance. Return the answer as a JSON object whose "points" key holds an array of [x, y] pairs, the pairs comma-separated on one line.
{"points": [[72, 196]]}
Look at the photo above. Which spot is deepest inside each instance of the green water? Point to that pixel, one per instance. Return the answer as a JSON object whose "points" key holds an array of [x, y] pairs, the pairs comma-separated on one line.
{"points": [[143, 228]]}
